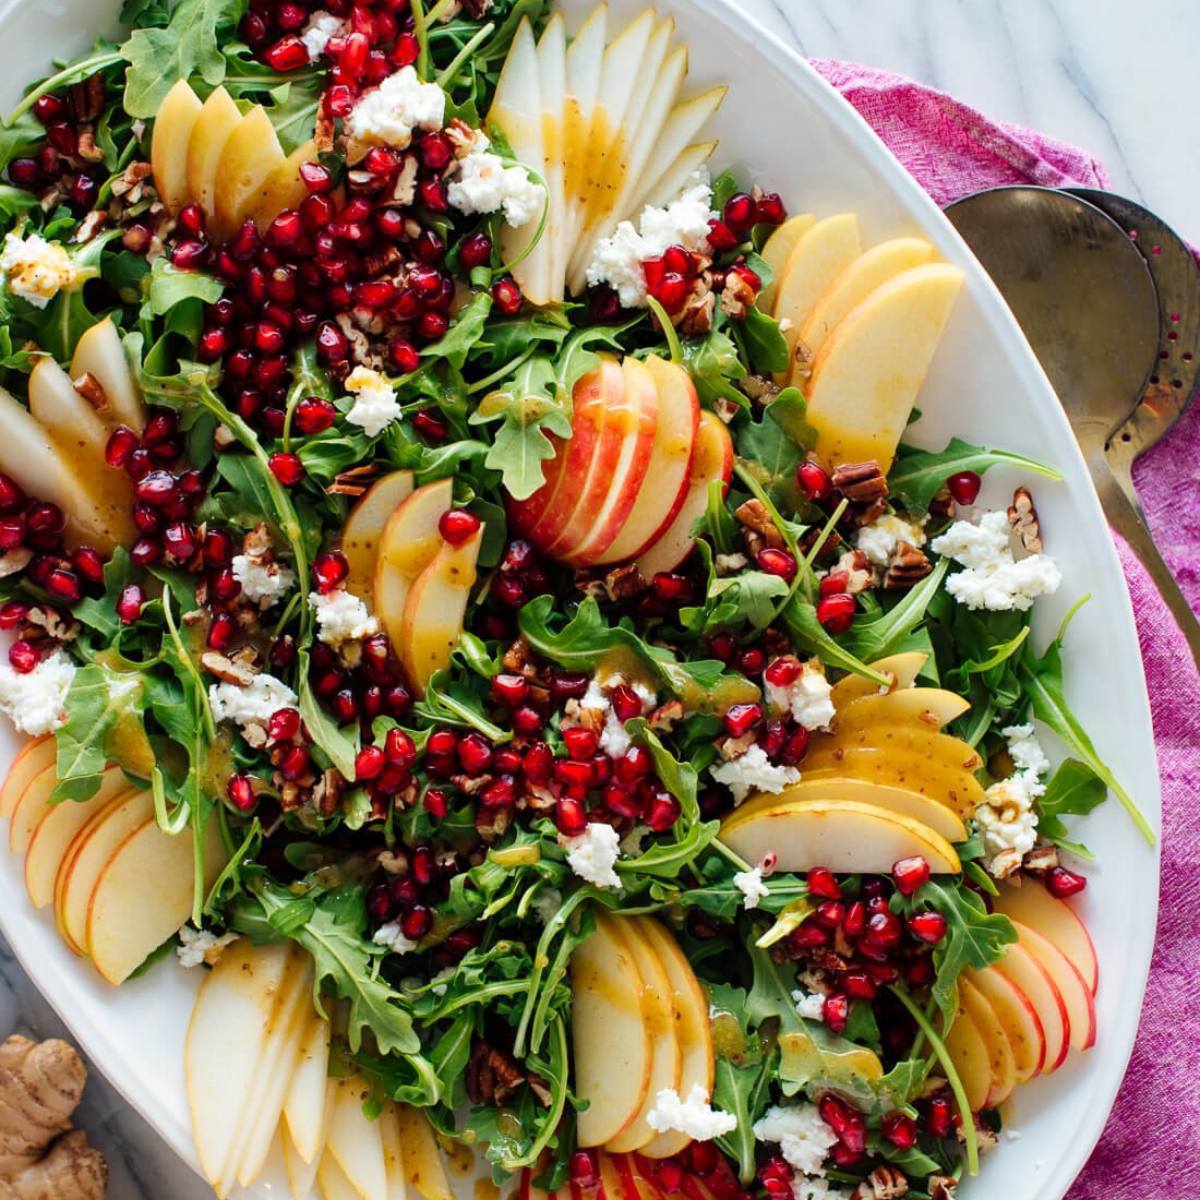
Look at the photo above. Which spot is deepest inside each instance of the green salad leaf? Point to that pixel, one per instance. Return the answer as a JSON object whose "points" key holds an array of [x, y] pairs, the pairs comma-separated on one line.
{"points": [[918, 475]]}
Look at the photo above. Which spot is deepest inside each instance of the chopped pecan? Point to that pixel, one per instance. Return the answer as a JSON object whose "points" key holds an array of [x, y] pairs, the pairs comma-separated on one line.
{"points": [[734, 747], [327, 795], [696, 318], [404, 190], [87, 98], [392, 863], [860, 515], [859, 482], [825, 959], [61, 628], [226, 670], [831, 541], [90, 388], [906, 566], [941, 506], [884, 1183], [492, 823], [248, 657], [323, 132], [517, 659], [623, 582], [86, 147], [291, 796], [90, 226], [859, 573], [471, 784], [461, 135], [942, 1187], [540, 1088], [1040, 859], [257, 544], [755, 517], [492, 1074], [1023, 519], [537, 798], [663, 718], [1006, 863], [353, 481], [575, 714], [737, 296]]}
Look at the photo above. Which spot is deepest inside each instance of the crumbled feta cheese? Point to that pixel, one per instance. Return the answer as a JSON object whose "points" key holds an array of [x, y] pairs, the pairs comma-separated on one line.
{"points": [[545, 903], [807, 698], [812, 1187], [484, 184], [392, 936], [618, 259], [878, 540], [693, 1116], [1007, 820], [375, 405], [251, 706], [37, 270], [810, 1005], [730, 564], [992, 578], [388, 114], [262, 581], [752, 887], [614, 741], [1025, 750], [316, 34], [341, 617], [593, 854], [803, 1137], [753, 772], [199, 946], [34, 701]]}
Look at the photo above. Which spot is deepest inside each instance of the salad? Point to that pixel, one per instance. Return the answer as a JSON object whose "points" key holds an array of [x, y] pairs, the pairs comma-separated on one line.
{"points": [[472, 594]]}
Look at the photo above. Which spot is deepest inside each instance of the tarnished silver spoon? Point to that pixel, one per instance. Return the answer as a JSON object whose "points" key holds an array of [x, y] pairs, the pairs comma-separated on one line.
{"points": [[1086, 301]]}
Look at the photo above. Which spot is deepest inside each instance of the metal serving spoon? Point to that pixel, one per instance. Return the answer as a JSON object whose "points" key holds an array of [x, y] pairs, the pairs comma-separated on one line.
{"points": [[1086, 301]]}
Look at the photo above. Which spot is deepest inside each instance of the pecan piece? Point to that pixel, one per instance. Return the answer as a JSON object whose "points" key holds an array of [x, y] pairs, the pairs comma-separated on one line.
{"points": [[860, 482], [1023, 519], [754, 516], [623, 582], [226, 670], [90, 388], [1040, 859], [859, 575], [942, 1187], [907, 566], [492, 1074], [87, 98], [883, 1183]]}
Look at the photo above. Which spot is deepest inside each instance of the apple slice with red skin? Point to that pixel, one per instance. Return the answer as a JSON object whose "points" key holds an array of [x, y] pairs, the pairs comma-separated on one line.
{"points": [[1055, 920], [638, 416], [712, 462], [1030, 978], [32, 759], [1000, 1051], [1076, 995], [1018, 1019], [666, 483]]}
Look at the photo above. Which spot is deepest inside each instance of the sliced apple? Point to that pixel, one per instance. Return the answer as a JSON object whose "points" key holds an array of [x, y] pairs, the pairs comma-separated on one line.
{"points": [[173, 124], [55, 831], [595, 528], [843, 835], [434, 611], [304, 1109], [969, 1053], [819, 256], [1055, 920], [364, 528], [658, 1013], [1076, 995], [283, 188], [99, 353], [31, 806], [903, 670], [611, 1041], [867, 272], [424, 1168], [407, 546], [777, 250], [143, 894], [665, 486], [86, 856], [1032, 980], [218, 118], [354, 1141], [693, 1029], [995, 1038], [32, 759], [712, 463], [1017, 1018], [928, 708], [222, 1051], [251, 153], [923, 809], [869, 372]]}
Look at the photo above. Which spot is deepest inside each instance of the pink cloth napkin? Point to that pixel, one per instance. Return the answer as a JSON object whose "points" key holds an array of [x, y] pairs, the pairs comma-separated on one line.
{"points": [[1150, 1148]]}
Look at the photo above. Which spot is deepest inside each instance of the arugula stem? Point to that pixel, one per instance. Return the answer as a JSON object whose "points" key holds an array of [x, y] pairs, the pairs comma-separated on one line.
{"points": [[806, 572], [421, 33], [185, 659], [667, 328], [501, 373], [446, 77], [71, 74], [943, 1056], [722, 849], [507, 267], [558, 1102]]}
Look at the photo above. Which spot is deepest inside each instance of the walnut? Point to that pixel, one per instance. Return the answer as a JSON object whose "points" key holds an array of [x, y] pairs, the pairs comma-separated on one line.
{"points": [[492, 823], [226, 670], [540, 1089], [883, 1183], [492, 1074], [696, 317], [734, 747], [942, 1187], [1023, 518], [223, 437], [663, 718], [1040, 859], [859, 482], [906, 566], [461, 136], [574, 714], [825, 959], [537, 798], [61, 628], [859, 574], [755, 517]]}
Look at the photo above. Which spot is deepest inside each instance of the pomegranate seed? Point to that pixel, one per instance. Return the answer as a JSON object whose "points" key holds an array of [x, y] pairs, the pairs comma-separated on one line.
{"points": [[218, 548], [63, 138], [316, 178], [821, 882], [1062, 883], [475, 250], [283, 724], [672, 587], [432, 325], [287, 468], [844, 1121], [626, 703], [404, 355], [12, 532], [581, 743], [883, 930], [225, 586], [65, 586], [510, 690], [939, 1118], [835, 1012], [964, 487], [49, 109], [741, 718], [24, 172], [751, 661], [740, 212], [240, 793], [12, 613], [221, 631], [189, 254], [859, 985], [83, 192], [332, 344], [474, 753], [442, 741], [23, 657], [918, 972], [833, 583], [314, 414], [375, 294], [500, 794], [672, 290], [809, 935], [722, 646], [636, 763], [813, 481], [157, 488], [11, 496], [621, 802], [749, 277], [783, 672], [399, 748], [179, 541], [430, 425], [406, 50], [777, 562], [87, 562], [129, 603], [457, 525], [344, 706], [538, 763], [928, 927], [663, 812], [245, 244], [368, 763], [569, 816], [283, 652], [581, 1169], [507, 296], [430, 247], [287, 54], [416, 923], [769, 209], [836, 612], [432, 194], [795, 748], [330, 570], [381, 162], [435, 151], [436, 803], [212, 345], [44, 517], [830, 913], [145, 552], [574, 773], [910, 874]]}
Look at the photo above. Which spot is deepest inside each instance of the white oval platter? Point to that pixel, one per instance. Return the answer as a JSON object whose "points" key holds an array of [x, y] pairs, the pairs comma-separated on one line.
{"points": [[780, 125]]}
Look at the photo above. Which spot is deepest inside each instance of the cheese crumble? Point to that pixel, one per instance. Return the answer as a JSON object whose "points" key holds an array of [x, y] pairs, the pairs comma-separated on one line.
{"points": [[593, 854], [375, 405], [341, 617], [484, 185], [388, 114], [35, 701], [753, 772], [250, 706], [262, 582], [803, 1137], [37, 270], [693, 1116], [752, 886], [808, 698]]}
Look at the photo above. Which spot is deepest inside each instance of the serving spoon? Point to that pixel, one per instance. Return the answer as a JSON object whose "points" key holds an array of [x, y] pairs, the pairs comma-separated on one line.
{"points": [[1085, 298]]}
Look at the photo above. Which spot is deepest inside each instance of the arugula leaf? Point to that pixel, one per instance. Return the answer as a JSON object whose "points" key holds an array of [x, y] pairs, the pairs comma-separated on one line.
{"points": [[918, 475], [742, 1077], [877, 635], [714, 366], [679, 778], [768, 454], [748, 598], [169, 287], [1073, 789], [800, 617], [765, 346], [97, 700], [450, 701], [456, 343], [337, 744]]}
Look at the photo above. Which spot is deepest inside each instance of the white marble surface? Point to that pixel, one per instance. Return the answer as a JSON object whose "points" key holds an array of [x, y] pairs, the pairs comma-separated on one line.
{"points": [[1115, 78]]}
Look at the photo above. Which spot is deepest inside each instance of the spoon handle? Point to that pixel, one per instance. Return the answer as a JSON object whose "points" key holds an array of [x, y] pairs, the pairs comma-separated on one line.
{"points": [[1124, 514]]}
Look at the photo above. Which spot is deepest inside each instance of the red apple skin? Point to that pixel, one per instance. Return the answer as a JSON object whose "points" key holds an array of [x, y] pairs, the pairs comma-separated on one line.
{"points": [[712, 460], [666, 481], [639, 413]]}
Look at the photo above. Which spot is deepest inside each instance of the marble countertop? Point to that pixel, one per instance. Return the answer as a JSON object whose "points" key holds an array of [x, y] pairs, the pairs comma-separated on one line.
{"points": [[1096, 74]]}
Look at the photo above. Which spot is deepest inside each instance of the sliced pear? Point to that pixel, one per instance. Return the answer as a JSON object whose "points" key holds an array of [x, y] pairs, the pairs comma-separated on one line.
{"points": [[969, 1053], [409, 542], [99, 353], [923, 809], [611, 1041], [869, 372], [301, 1176], [1076, 995], [283, 188], [812, 1052], [364, 528], [434, 611], [424, 1168], [683, 123], [552, 69], [928, 708], [777, 250], [304, 1108], [867, 272], [675, 176], [123, 926], [251, 154], [902, 668], [173, 124], [843, 835], [333, 1181], [222, 1052], [393, 1152], [218, 118], [914, 770], [32, 759], [995, 1040], [354, 1141], [829, 749]]}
